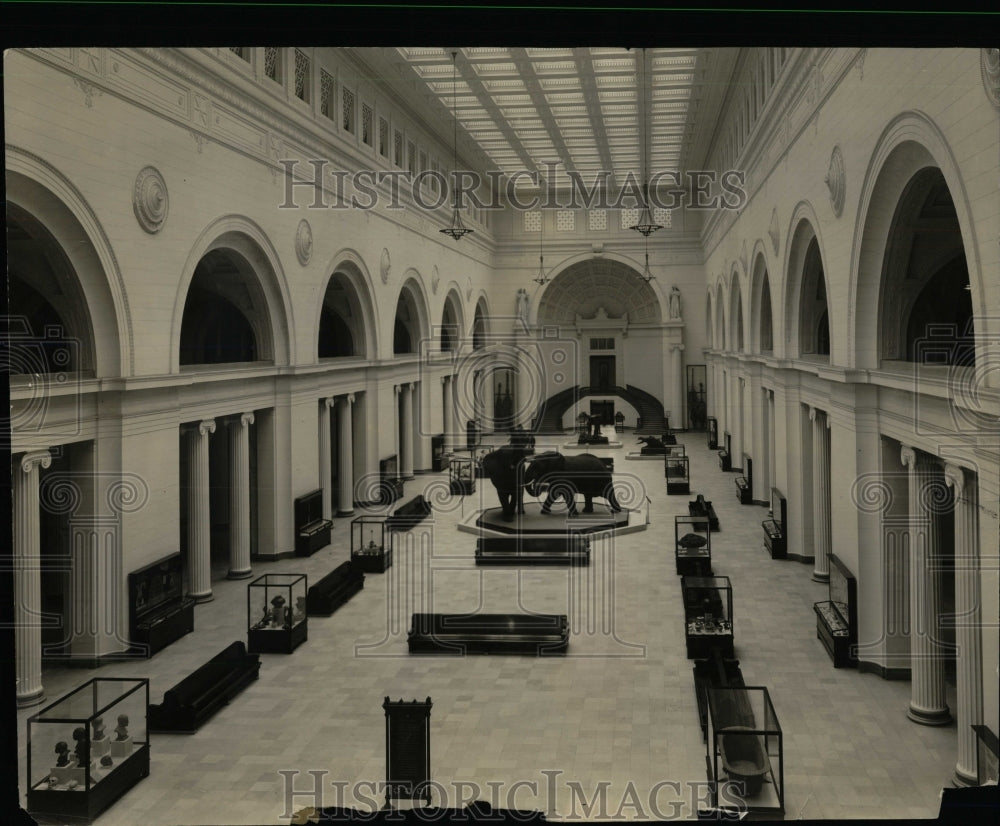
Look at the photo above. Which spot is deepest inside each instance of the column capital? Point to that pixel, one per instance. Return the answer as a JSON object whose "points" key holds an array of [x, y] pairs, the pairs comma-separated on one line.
{"points": [[679, 347], [350, 398], [329, 401], [954, 475], [397, 389], [813, 412], [206, 426], [40, 458], [827, 419], [246, 419], [908, 456], [411, 386]]}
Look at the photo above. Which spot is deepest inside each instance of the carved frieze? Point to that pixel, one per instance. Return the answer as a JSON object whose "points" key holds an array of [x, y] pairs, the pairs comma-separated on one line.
{"points": [[150, 200]]}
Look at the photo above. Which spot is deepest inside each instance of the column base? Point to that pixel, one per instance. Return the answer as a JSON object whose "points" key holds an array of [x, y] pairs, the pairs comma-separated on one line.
{"points": [[345, 513], [962, 779], [820, 577], [32, 699], [244, 574], [929, 717], [199, 598]]}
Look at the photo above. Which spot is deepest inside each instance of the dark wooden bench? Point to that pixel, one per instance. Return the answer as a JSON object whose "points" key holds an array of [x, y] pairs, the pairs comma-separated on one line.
{"points": [[410, 515], [333, 590], [774, 529], [312, 531], [204, 691], [702, 507], [725, 462], [159, 613], [459, 634], [517, 550]]}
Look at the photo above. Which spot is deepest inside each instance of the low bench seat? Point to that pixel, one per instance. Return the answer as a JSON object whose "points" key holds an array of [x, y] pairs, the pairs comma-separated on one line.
{"points": [[459, 634], [410, 515], [334, 589], [203, 692], [518, 550], [703, 507]]}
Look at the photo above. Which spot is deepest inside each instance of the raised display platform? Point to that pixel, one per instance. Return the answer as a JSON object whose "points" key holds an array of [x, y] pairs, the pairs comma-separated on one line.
{"points": [[490, 522], [575, 445]]}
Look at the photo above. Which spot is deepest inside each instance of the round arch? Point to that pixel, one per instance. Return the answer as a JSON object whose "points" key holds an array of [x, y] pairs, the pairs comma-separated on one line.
{"points": [[720, 319], [452, 317], [761, 306], [411, 312], [481, 323], [736, 313], [240, 235], [347, 267], [583, 286], [804, 266], [911, 142], [43, 193]]}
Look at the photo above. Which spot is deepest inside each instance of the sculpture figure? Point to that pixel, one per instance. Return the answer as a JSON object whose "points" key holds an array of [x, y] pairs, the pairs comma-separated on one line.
{"points": [[62, 752], [278, 613], [675, 302], [82, 750], [565, 476], [652, 446], [503, 468], [98, 725], [121, 730], [522, 305]]}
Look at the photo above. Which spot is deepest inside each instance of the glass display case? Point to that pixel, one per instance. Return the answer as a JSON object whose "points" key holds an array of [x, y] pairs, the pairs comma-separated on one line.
{"points": [[88, 748], [276, 613], [677, 469], [708, 615], [837, 618], [713, 432], [986, 756], [745, 753], [693, 544], [371, 550], [462, 475], [725, 455], [674, 451]]}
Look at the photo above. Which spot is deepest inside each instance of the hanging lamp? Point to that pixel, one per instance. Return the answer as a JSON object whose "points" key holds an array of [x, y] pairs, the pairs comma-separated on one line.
{"points": [[646, 225], [541, 278], [457, 228]]}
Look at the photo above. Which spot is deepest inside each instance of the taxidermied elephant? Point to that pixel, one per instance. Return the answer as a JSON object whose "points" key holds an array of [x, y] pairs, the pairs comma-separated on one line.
{"points": [[502, 466], [565, 476]]}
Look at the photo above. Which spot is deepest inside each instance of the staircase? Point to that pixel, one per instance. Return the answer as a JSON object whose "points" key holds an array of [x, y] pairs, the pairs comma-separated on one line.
{"points": [[548, 419]]}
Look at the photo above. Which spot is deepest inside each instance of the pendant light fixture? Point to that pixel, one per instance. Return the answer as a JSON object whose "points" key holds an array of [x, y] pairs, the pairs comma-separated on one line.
{"points": [[457, 228], [646, 225], [541, 278]]}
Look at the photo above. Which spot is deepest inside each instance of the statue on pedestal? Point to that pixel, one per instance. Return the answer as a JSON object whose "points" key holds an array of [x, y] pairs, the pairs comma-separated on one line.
{"points": [[522, 305], [675, 302]]}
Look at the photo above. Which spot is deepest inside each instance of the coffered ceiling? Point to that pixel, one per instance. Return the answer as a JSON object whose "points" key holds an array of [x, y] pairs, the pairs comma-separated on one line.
{"points": [[528, 108]]}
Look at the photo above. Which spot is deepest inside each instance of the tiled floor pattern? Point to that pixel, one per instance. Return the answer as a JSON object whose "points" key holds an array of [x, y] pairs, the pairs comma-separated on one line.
{"points": [[616, 720]]}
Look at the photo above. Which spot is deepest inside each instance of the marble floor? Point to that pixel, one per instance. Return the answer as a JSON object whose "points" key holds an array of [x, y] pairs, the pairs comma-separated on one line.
{"points": [[608, 731]]}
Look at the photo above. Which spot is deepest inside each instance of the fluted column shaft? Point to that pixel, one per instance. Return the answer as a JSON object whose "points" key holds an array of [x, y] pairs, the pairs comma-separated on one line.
{"points": [[345, 455], [239, 497], [28, 578], [324, 457], [821, 496], [199, 514], [968, 622], [927, 697], [772, 464], [406, 433], [676, 385]]}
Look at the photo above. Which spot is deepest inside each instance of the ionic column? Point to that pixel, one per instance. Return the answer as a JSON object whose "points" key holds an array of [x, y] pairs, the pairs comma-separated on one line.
{"points": [[821, 496], [345, 455], [968, 618], [406, 434], [239, 497], [676, 386], [446, 414], [927, 698], [324, 456], [28, 578], [772, 447], [199, 515]]}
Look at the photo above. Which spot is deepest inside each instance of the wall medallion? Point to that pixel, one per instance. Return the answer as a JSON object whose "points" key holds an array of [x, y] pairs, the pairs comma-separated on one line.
{"points": [[990, 63], [149, 200], [385, 266], [303, 242], [836, 181]]}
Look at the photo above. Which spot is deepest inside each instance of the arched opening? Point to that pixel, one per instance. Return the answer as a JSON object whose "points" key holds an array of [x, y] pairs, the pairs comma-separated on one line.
{"points": [[925, 306], [814, 321], [50, 326], [341, 324], [225, 313], [479, 328], [736, 313], [450, 325], [406, 331], [765, 319]]}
